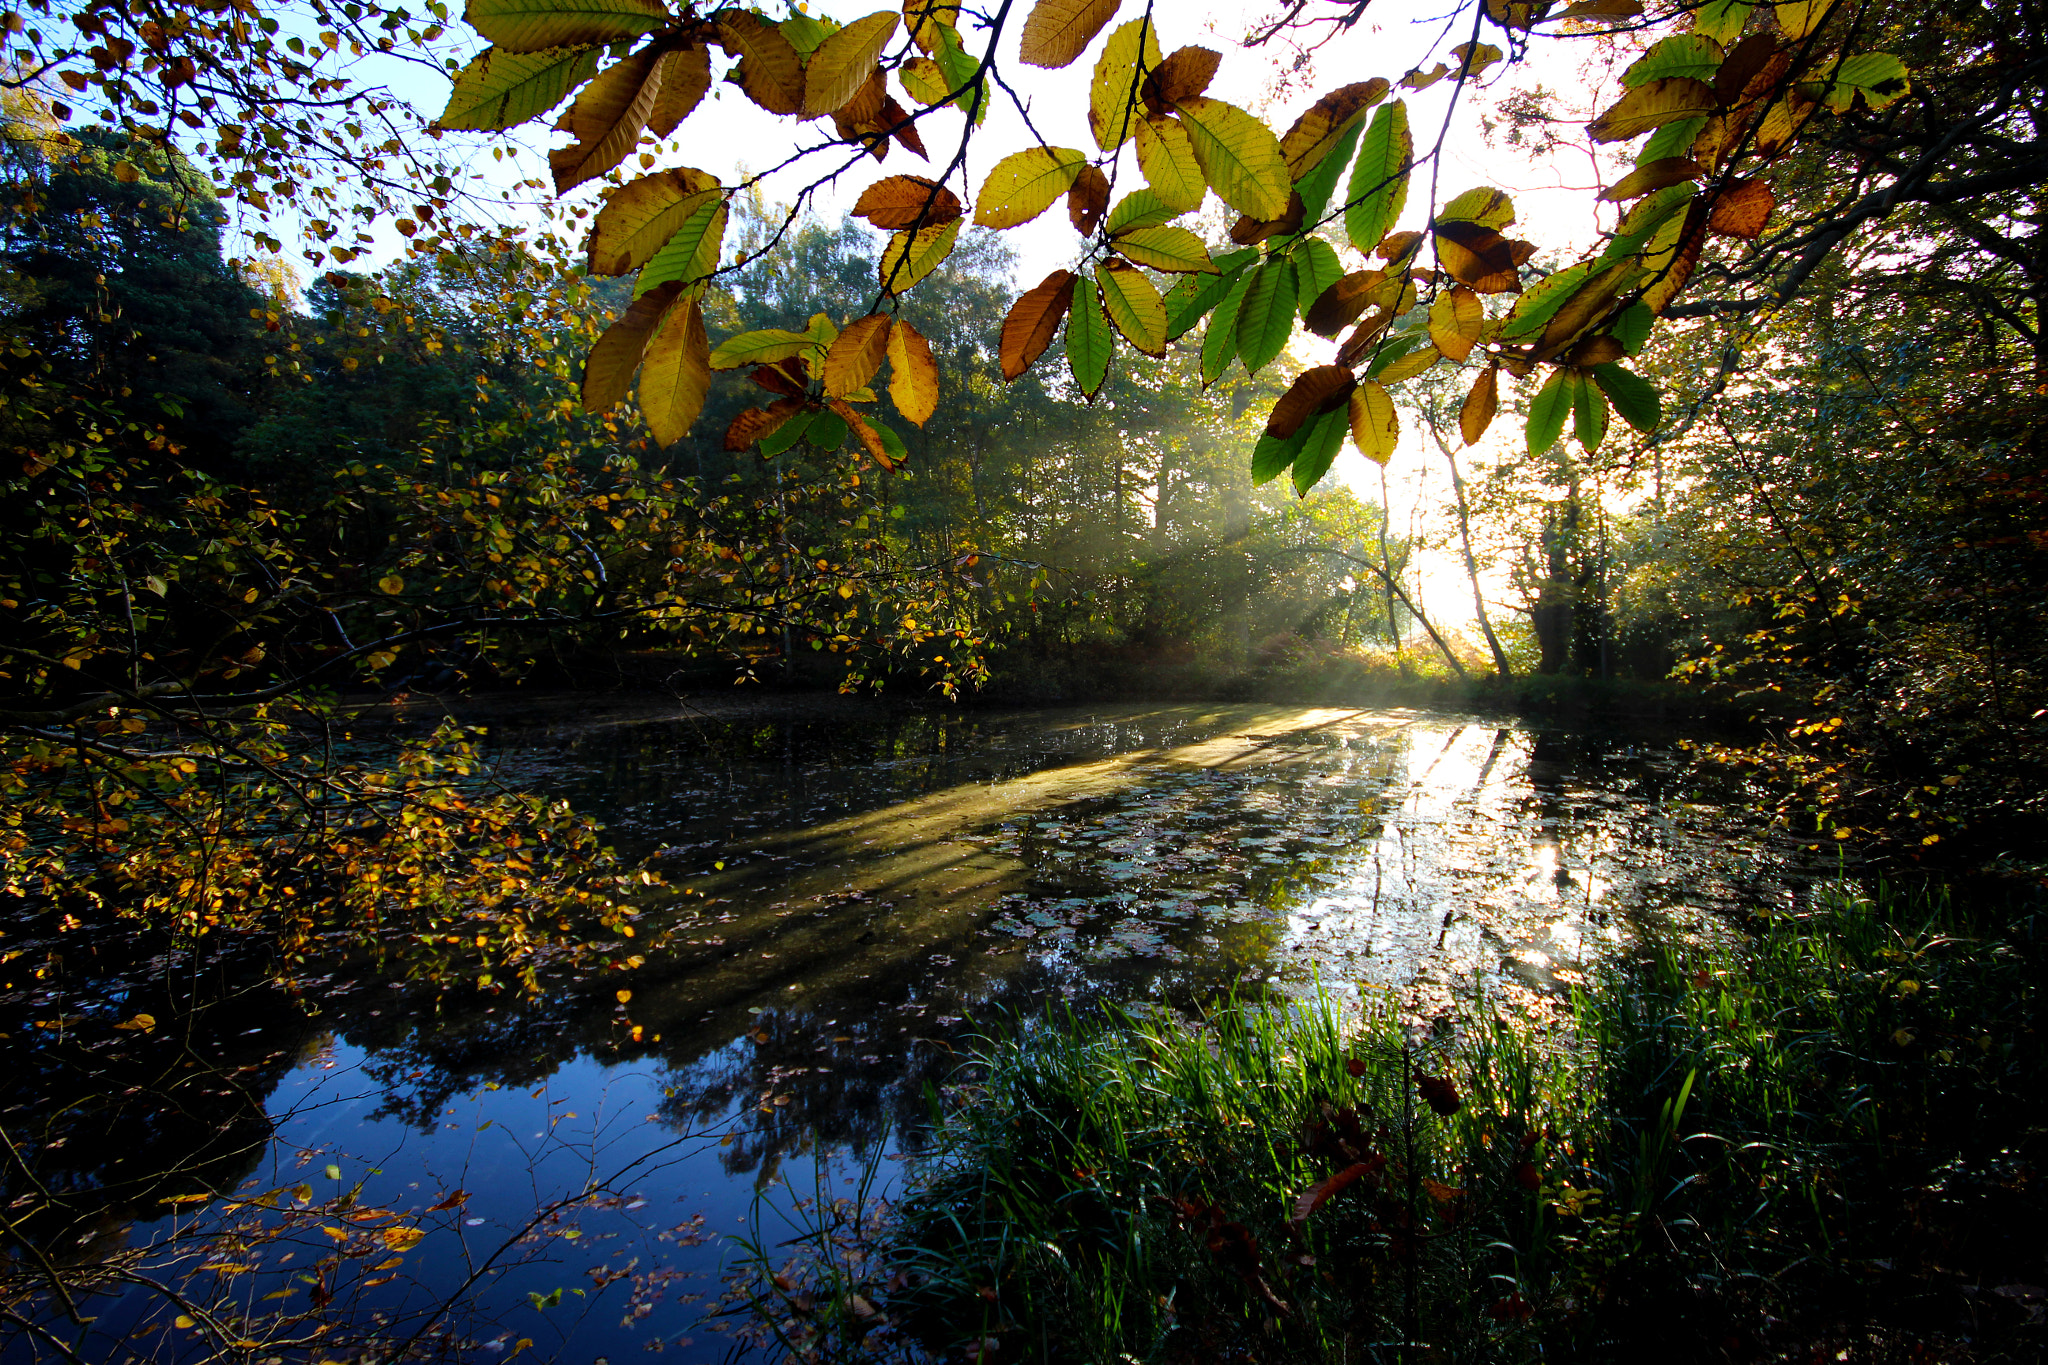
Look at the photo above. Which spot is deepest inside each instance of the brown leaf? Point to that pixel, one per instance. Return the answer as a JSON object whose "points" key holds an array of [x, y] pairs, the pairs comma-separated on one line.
{"points": [[1088, 200], [1589, 304], [608, 370], [755, 423], [907, 201], [1184, 74], [1743, 209], [1678, 271], [455, 1199], [1313, 393], [1652, 105], [1057, 31], [769, 70], [1363, 338], [1398, 245], [1313, 134], [1665, 171], [1336, 306], [856, 355], [1475, 414], [1033, 321], [607, 119], [1438, 1093], [778, 378], [1320, 1193], [864, 433], [685, 78], [901, 125], [1595, 350], [1477, 257], [1751, 68], [864, 107], [1248, 230]]}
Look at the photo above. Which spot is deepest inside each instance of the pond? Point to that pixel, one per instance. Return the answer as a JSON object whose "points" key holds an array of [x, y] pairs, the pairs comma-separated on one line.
{"points": [[852, 891]]}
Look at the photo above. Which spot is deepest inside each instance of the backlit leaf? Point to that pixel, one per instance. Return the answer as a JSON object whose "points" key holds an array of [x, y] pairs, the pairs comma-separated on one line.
{"points": [[1652, 105], [1375, 426], [1088, 200], [1134, 305], [1549, 409], [1587, 306], [675, 374], [1265, 319], [1722, 20], [1485, 206], [1633, 396], [789, 433], [1475, 414], [1193, 296], [1184, 74], [1113, 104], [1456, 321], [1657, 175], [1025, 184], [845, 60], [1395, 369], [1589, 414], [691, 255], [607, 120], [1168, 159], [910, 256], [759, 348], [1474, 58], [518, 26], [1313, 392], [755, 425], [925, 81], [1797, 18], [1335, 308], [1321, 439], [931, 23], [1379, 179], [1219, 342], [1743, 209], [1239, 157], [1089, 338], [1682, 54], [856, 355], [500, 89], [1314, 135], [1477, 257], [639, 218], [1316, 268], [1173, 249], [1273, 454], [1313, 190], [905, 201], [608, 370], [1139, 208], [1058, 31], [1033, 321], [685, 77], [769, 72], [913, 374], [1879, 78]]}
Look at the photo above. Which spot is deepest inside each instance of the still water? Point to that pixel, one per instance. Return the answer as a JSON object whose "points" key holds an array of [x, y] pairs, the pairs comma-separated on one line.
{"points": [[852, 892]]}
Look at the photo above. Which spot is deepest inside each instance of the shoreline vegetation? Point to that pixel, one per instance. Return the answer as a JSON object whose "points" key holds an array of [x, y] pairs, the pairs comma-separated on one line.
{"points": [[1820, 1139]]}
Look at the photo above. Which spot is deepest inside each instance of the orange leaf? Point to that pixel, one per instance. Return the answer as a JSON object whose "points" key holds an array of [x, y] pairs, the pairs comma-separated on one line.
{"points": [[907, 201], [856, 355], [1743, 209], [1033, 321], [1475, 415]]}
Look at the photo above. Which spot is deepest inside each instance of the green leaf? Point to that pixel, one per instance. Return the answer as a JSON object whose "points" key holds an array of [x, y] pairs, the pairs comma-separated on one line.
{"points": [[1682, 54], [891, 442], [692, 254], [1240, 157], [1633, 396], [501, 89], [1138, 209], [1273, 453], [1548, 411], [534, 25], [1589, 414], [1486, 206], [1379, 181], [1673, 139], [1316, 268], [1026, 184], [1219, 342], [1721, 20], [787, 435], [758, 348], [1089, 338], [1195, 295], [1632, 327], [1878, 77], [1395, 349], [1265, 319], [827, 431], [639, 219], [1316, 187], [1639, 226], [1324, 438]]}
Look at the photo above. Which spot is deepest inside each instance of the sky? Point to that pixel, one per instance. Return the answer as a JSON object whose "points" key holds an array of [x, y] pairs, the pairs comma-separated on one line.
{"points": [[732, 138]]}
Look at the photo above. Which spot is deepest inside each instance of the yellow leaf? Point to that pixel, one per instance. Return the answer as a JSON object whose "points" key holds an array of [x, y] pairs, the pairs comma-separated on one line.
{"points": [[1026, 184], [639, 219], [183, 1321], [1410, 365], [1239, 157], [1652, 105], [913, 374], [1113, 103], [391, 583], [910, 256], [1058, 31], [1485, 206], [931, 23], [1166, 248], [845, 60], [769, 70], [1801, 17], [676, 374], [1660, 174], [1317, 131], [403, 1239], [1375, 426], [1168, 160], [856, 357], [608, 372], [623, 996], [1134, 306], [1456, 320], [685, 79], [143, 1023], [924, 80], [125, 172]]}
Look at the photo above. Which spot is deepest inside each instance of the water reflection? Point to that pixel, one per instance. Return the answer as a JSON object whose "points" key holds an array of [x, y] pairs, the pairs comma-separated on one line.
{"points": [[852, 894]]}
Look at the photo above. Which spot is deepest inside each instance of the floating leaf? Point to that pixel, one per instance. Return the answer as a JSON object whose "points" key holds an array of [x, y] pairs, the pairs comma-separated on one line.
{"points": [[1089, 338], [521, 26], [675, 374], [1475, 414], [1239, 157], [608, 371], [1379, 179], [1134, 305], [501, 89], [856, 356], [1058, 31], [913, 374], [1375, 425], [1113, 95], [844, 62], [1025, 184], [1033, 321]]}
